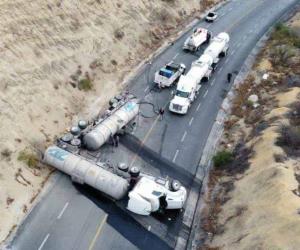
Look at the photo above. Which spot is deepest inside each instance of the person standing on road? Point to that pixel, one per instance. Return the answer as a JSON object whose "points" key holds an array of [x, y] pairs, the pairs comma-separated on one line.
{"points": [[161, 114], [117, 140], [229, 76]]}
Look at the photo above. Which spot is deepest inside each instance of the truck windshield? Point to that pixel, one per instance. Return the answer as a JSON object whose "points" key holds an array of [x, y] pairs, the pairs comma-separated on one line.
{"points": [[166, 73], [182, 94]]}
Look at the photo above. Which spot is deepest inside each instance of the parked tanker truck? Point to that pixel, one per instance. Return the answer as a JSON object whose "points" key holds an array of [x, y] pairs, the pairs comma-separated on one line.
{"points": [[218, 48], [73, 155], [189, 84], [199, 37]]}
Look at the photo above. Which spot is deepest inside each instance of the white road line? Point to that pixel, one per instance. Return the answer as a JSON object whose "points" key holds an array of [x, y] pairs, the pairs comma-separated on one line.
{"points": [[191, 121], [146, 89], [175, 55], [226, 61], [220, 69], [230, 9], [175, 156], [183, 137], [63, 210], [44, 241], [205, 94], [212, 83], [199, 105], [232, 52]]}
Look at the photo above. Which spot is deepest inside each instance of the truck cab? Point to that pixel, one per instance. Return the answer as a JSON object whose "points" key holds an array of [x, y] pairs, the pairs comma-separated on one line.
{"points": [[199, 37], [169, 74], [155, 194], [185, 94]]}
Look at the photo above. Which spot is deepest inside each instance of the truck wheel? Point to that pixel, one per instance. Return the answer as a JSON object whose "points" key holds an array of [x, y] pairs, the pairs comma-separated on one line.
{"points": [[175, 185]]}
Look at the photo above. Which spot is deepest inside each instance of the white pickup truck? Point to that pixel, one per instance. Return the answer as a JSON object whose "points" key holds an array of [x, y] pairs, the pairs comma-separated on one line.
{"points": [[199, 37], [189, 84], [169, 74]]}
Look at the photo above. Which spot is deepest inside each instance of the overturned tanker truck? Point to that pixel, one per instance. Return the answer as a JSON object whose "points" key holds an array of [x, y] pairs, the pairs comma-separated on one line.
{"points": [[144, 193]]}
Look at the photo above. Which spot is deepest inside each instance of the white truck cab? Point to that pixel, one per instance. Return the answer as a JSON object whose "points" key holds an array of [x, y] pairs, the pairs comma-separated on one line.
{"points": [[154, 194], [189, 85], [168, 74], [199, 37], [184, 95]]}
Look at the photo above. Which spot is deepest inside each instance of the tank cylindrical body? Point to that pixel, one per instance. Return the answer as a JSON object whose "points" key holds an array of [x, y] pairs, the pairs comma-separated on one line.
{"points": [[84, 171], [94, 139]]}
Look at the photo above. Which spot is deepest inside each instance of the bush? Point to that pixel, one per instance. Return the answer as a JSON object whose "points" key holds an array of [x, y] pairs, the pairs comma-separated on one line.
{"points": [[6, 153], [29, 158], [85, 84], [284, 34], [222, 158], [289, 139], [119, 34]]}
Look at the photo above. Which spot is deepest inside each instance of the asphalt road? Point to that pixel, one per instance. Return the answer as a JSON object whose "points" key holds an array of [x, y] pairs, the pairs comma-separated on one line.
{"points": [[72, 217]]}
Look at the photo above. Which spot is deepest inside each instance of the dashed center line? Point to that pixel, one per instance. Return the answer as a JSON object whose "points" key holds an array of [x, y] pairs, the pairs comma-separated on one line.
{"points": [[199, 105], [63, 210], [227, 60], [183, 137], [175, 156], [191, 121], [146, 89], [232, 52], [206, 92], [212, 82], [44, 242], [175, 55]]}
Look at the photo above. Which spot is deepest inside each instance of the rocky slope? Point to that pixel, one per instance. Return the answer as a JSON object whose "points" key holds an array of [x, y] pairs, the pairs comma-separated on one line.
{"points": [[254, 200]]}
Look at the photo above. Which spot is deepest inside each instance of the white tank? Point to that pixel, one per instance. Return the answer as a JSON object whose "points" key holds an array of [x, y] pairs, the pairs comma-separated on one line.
{"points": [[94, 139], [217, 45], [83, 171]]}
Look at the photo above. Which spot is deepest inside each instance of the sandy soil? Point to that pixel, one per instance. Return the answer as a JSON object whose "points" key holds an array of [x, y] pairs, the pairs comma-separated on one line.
{"points": [[270, 217], [262, 206], [42, 45]]}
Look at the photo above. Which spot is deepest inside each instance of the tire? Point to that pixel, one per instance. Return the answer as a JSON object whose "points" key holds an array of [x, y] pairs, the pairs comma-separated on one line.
{"points": [[175, 185]]}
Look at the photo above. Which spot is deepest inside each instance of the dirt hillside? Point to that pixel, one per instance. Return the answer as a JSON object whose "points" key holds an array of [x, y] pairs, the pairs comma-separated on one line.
{"points": [[254, 194], [61, 60]]}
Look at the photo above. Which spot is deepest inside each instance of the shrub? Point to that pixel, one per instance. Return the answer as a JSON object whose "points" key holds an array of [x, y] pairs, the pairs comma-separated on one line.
{"points": [[289, 139], [6, 153], [29, 158], [85, 84], [119, 34], [294, 114], [284, 34], [222, 158]]}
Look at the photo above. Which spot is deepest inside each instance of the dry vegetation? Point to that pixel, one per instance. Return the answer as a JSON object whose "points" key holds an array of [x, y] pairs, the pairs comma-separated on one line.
{"points": [[254, 199], [61, 61]]}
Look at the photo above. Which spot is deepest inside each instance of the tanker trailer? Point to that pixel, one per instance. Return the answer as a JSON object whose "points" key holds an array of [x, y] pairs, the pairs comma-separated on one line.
{"points": [[107, 127], [85, 172]]}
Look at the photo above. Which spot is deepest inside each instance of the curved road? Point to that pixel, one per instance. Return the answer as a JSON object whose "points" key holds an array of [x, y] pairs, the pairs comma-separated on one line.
{"points": [[72, 217]]}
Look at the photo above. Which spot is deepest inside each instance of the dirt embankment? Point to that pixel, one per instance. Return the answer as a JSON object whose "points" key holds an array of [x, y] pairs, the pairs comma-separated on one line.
{"points": [[254, 189], [57, 58]]}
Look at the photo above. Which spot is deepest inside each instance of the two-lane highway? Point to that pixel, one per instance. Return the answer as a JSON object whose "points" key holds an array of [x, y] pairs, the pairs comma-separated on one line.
{"points": [[70, 218]]}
